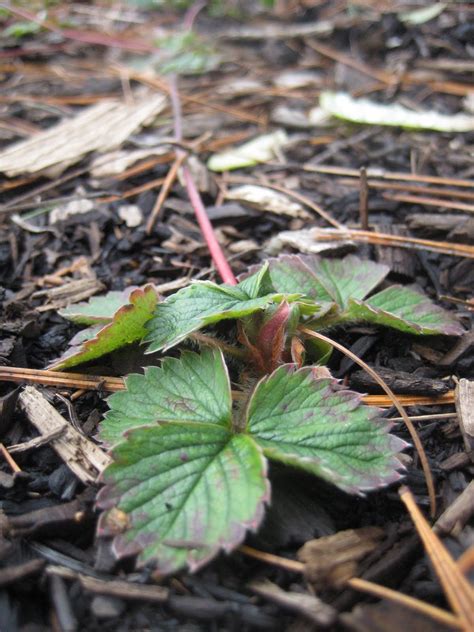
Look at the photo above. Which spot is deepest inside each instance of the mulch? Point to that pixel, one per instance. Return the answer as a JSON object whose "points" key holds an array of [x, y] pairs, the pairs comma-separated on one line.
{"points": [[54, 574]]}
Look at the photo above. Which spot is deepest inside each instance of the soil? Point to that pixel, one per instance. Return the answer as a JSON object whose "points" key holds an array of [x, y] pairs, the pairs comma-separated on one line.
{"points": [[369, 49]]}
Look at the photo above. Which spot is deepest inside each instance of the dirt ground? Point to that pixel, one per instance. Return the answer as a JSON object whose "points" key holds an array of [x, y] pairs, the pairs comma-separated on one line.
{"points": [[78, 219]]}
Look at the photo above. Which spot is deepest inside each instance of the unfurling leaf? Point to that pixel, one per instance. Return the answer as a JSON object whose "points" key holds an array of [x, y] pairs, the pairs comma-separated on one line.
{"points": [[312, 424], [205, 303], [127, 326]]}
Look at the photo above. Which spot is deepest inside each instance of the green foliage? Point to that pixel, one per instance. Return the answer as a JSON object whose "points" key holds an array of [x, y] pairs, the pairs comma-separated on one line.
{"points": [[98, 309], [188, 476], [192, 479], [126, 326], [205, 303], [186, 491], [343, 284], [21, 29], [185, 53]]}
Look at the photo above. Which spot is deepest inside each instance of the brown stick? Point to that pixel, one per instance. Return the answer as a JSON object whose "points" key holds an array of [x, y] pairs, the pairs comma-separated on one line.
{"points": [[114, 384]]}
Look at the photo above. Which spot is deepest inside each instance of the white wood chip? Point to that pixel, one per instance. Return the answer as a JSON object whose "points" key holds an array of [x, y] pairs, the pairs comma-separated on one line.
{"points": [[83, 457], [464, 398], [101, 127]]}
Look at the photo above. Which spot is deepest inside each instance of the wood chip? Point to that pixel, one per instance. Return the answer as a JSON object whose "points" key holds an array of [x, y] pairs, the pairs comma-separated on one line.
{"points": [[113, 588], [12, 574], [101, 127], [332, 560], [304, 241], [400, 261], [305, 604], [69, 293], [458, 513], [83, 457], [464, 400]]}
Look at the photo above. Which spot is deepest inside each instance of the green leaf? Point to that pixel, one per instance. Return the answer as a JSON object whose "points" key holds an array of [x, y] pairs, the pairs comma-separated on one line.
{"points": [[21, 29], [127, 326], [203, 303], [407, 310], [294, 271], [183, 492], [98, 309], [258, 284], [185, 53], [195, 388], [327, 280], [311, 423]]}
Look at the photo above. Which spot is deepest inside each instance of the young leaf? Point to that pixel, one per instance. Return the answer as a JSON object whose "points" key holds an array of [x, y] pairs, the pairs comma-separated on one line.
{"points": [[98, 309], [258, 284], [184, 490], [310, 423], [195, 388], [405, 309], [127, 326], [204, 303]]}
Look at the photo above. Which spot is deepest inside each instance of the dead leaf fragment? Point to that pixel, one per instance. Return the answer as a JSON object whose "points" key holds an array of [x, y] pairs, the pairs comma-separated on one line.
{"points": [[305, 241], [267, 200]]}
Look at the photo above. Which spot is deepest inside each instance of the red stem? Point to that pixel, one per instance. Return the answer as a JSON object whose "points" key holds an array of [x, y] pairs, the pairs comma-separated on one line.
{"points": [[215, 250], [222, 266]]}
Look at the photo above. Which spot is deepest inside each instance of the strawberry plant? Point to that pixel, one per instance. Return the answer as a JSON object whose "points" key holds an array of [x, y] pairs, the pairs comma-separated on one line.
{"points": [[189, 471]]}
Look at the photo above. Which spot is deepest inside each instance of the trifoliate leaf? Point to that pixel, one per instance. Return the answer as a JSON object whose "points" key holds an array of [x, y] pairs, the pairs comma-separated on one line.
{"points": [[194, 388], [127, 326], [339, 285], [204, 303], [182, 491], [98, 309], [310, 423], [369, 112], [407, 310]]}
